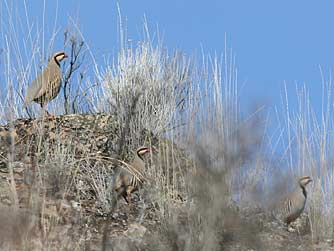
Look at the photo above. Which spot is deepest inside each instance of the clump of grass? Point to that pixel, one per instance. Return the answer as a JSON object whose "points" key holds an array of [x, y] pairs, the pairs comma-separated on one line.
{"points": [[147, 88]]}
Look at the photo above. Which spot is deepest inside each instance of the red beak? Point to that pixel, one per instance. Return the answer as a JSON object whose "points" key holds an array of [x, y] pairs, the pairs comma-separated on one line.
{"points": [[65, 56]]}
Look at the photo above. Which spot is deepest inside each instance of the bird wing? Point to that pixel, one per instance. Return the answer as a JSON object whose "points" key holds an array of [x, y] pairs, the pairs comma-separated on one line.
{"points": [[51, 77], [33, 89], [290, 207], [43, 83]]}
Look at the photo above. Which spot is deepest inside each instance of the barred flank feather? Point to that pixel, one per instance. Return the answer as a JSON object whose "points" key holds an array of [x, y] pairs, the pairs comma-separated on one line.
{"points": [[132, 177], [47, 85], [292, 207]]}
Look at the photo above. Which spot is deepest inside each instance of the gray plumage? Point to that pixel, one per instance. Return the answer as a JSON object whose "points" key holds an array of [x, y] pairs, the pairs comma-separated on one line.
{"points": [[128, 181], [289, 209], [47, 85]]}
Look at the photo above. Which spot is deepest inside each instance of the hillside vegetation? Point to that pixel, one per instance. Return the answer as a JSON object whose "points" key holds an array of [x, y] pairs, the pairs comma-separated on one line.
{"points": [[211, 176]]}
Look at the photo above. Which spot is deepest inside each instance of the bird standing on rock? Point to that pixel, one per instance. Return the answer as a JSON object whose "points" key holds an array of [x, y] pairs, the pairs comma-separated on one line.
{"points": [[47, 85], [127, 181], [292, 206]]}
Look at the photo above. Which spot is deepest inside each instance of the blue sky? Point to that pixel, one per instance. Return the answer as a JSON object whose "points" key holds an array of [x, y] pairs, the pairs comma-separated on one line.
{"points": [[274, 41]]}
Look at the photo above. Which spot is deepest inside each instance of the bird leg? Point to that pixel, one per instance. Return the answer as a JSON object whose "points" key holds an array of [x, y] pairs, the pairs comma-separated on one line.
{"points": [[45, 111], [48, 114], [128, 192], [126, 198]]}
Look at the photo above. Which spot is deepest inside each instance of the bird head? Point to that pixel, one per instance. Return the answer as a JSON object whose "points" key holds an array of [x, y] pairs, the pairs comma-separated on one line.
{"points": [[58, 57], [141, 151], [303, 181]]}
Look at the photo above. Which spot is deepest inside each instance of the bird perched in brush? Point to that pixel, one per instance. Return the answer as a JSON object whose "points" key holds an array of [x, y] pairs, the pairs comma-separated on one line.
{"points": [[289, 209], [47, 84], [129, 179]]}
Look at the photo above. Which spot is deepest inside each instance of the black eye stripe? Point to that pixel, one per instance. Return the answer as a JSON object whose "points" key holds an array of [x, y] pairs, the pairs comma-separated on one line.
{"points": [[142, 150], [55, 57], [62, 53]]}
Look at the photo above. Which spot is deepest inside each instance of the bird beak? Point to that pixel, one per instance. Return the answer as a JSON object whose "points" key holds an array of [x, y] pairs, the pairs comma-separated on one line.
{"points": [[65, 56]]}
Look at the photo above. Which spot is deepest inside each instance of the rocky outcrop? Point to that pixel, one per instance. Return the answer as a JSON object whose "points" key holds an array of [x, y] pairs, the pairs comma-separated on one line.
{"points": [[83, 134], [62, 164]]}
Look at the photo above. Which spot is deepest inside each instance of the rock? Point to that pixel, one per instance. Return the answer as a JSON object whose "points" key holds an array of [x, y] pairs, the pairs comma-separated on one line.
{"points": [[75, 205], [131, 239], [121, 243], [135, 231]]}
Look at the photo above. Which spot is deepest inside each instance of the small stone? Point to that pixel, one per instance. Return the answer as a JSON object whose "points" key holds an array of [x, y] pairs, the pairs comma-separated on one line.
{"points": [[76, 205], [291, 229], [136, 231]]}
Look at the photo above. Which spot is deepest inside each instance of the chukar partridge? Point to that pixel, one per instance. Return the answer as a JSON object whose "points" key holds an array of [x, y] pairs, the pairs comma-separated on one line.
{"points": [[293, 205], [47, 85], [127, 181]]}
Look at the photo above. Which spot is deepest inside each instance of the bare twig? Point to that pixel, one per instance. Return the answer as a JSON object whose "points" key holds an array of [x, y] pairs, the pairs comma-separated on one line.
{"points": [[77, 56]]}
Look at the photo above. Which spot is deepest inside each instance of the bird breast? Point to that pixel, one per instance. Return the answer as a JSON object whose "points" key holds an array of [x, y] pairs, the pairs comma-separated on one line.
{"points": [[294, 206], [51, 82], [291, 207], [138, 164]]}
